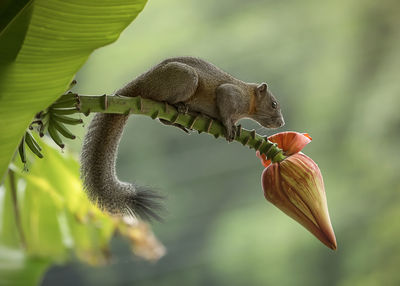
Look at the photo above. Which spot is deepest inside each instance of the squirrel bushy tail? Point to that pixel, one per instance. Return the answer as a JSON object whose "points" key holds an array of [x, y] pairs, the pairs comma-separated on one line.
{"points": [[98, 158]]}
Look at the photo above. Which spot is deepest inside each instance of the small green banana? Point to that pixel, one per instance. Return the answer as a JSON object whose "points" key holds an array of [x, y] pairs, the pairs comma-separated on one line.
{"points": [[54, 135], [64, 111], [33, 145], [34, 141], [62, 129], [67, 120], [21, 150]]}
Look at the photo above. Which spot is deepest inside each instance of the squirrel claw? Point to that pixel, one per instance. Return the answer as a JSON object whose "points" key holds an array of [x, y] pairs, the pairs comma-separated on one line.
{"points": [[182, 107], [231, 133]]}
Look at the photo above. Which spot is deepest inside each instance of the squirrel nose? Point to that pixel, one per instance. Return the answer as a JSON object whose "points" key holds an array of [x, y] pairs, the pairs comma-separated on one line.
{"points": [[280, 121]]}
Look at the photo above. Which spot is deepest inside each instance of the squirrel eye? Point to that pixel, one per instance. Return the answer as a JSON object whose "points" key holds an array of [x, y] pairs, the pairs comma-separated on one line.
{"points": [[274, 105]]}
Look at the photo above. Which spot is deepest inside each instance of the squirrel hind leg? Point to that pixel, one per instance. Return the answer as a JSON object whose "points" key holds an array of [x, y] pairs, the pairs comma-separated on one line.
{"points": [[145, 204], [173, 82]]}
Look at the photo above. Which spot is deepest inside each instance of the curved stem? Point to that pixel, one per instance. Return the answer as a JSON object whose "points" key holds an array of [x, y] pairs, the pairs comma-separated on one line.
{"points": [[162, 110]]}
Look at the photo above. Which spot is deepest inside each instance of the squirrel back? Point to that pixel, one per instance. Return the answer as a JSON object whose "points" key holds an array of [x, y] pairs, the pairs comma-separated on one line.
{"points": [[185, 79]]}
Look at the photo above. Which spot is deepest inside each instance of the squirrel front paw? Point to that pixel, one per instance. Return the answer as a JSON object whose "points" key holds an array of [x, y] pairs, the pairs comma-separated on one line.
{"points": [[182, 107], [231, 131]]}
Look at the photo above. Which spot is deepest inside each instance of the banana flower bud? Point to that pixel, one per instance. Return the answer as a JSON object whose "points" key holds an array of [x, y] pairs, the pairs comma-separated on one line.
{"points": [[295, 185]]}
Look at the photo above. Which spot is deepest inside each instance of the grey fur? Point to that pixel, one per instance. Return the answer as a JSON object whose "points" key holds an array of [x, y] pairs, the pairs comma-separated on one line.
{"points": [[197, 84], [98, 157]]}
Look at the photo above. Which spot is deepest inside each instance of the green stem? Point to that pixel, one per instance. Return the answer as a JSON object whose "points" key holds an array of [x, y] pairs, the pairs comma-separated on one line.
{"points": [[17, 216], [162, 110]]}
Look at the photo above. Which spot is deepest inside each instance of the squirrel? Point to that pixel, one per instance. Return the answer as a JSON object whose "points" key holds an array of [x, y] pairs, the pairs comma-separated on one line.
{"points": [[190, 84]]}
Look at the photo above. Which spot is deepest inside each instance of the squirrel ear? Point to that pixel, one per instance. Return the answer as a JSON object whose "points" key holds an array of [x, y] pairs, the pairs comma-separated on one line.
{"points": [[262, 87]]}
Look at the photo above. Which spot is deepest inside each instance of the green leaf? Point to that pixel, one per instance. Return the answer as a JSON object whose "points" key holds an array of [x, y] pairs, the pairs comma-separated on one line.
{"points": [[14, 21], [16, 268], [55, 218], [60, 37], [56, 215]]}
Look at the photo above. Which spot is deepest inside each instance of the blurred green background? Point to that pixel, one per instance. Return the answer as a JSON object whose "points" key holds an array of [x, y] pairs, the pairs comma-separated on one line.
{"points": [[335, 67]]}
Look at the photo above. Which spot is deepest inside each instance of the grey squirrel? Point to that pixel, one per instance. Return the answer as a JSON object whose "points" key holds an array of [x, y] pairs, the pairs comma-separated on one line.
{"points": [[191, 84]]}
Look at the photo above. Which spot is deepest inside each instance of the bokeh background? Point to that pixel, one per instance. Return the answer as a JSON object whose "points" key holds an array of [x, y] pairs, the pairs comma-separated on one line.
{"points": [[335, 68]]}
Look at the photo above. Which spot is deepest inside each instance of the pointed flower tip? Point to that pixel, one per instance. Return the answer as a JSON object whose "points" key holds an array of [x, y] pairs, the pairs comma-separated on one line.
{"points": [[332, 240], [328, 236], [330, 243]]}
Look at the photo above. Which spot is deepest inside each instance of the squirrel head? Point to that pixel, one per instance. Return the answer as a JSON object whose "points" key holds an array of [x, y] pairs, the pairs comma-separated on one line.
{"points": [[265, 109]]}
